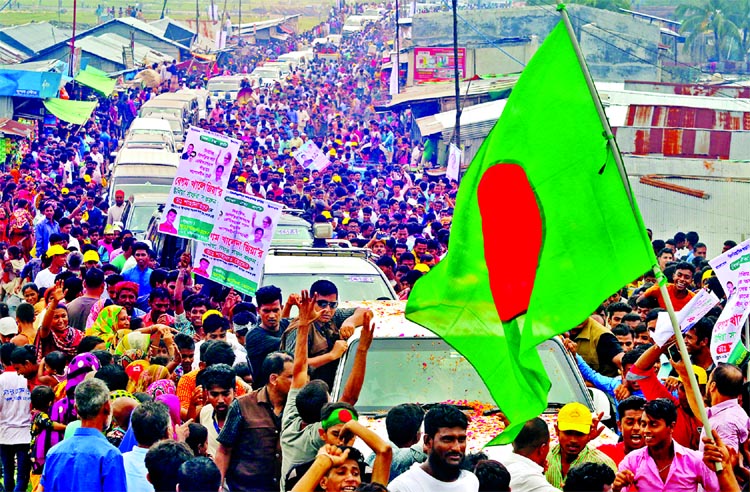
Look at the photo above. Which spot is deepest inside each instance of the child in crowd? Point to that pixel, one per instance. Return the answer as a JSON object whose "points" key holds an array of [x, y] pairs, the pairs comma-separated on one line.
{"points": [[41, 426]]}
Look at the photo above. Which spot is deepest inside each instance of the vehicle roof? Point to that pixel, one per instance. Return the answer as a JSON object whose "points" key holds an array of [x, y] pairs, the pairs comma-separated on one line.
{"points": [[291, 219], [163, 103], [141, 170], [149, 157], [150, 124], [146, 138], [304, 261], [177, 96], [149, 198], [221, 78]]}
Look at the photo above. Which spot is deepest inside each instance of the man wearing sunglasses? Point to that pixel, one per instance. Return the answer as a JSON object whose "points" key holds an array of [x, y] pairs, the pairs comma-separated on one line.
{"points": [[331, 328]]}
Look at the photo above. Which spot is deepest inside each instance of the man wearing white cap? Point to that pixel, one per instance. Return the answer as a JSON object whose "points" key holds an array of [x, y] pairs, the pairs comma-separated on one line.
{"points": [[8, 329], [46, 278]]}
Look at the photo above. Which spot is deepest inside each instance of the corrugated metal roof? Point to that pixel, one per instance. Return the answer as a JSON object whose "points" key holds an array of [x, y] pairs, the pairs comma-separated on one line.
{"points": [[446, 89], [145, 27], [36, 66], [249, 27], [626, 98], [13, 127], [485, 114], [36, 36], [109, 46], [10, 55]]}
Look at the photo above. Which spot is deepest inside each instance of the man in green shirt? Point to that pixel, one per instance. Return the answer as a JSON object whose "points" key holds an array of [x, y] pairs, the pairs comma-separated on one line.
{"points": [[573, 427]]}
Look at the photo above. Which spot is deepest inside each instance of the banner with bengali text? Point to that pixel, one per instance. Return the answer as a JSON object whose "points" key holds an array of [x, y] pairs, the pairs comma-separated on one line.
{"points": [[200, 185], [237, 246]]}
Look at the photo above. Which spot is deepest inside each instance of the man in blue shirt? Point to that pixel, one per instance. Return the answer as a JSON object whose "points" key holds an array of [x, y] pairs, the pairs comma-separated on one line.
{"points": [[141, 272], [45, 229], [86, 461], [150, 422]]}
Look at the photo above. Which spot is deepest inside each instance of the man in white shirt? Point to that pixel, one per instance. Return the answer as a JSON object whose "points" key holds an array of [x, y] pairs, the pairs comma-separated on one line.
{"points": [[15, 420], [528, 460], [445, 443], [46, 278], [117, 209], [150, 423]]}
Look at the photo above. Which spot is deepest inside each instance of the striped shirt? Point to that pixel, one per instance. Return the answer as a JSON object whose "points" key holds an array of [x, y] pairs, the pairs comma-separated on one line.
{"points": [[588, 455]]}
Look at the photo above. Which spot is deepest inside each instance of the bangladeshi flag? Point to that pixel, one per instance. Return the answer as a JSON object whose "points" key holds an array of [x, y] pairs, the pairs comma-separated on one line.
{"points": [[543, 232]]}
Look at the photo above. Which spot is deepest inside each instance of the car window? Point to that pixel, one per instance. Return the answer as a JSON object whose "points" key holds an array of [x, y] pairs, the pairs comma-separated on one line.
{"points": [[428, 370], [351, 287]]}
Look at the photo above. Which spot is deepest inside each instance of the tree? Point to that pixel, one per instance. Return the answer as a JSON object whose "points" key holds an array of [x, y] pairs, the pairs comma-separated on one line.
{"points": [[713, 17]]}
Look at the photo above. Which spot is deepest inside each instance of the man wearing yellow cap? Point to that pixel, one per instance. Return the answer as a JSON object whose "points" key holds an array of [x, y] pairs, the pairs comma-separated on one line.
{"points": [[46, 278], [573, 428]]}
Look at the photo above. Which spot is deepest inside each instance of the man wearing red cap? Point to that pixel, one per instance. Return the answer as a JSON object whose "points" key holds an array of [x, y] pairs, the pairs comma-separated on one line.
{"points": [[116, 210]]}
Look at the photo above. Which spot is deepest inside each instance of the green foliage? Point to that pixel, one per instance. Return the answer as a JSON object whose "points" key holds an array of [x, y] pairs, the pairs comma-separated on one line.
{"points": [[726, 21]]}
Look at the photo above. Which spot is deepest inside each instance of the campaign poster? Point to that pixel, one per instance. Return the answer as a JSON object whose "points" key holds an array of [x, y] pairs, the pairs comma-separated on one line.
{"points": [[309, 156], [200, 185], [727, 266], [239, 243], [725, 338]]}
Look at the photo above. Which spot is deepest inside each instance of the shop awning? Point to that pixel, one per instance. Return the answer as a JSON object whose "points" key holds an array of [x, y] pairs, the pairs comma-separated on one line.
{"points": [[12, 127], [76, 112], [98, 82]]}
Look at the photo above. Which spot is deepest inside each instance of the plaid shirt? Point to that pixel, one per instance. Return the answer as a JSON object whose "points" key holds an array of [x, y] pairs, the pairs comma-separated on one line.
{"points": [[588, 455]]}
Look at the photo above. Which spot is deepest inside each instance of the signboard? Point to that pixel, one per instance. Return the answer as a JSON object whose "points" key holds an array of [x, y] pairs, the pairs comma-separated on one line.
{"points": [[200, 185], [22, 83], [239, 242], [437, 64], [309, 156]]}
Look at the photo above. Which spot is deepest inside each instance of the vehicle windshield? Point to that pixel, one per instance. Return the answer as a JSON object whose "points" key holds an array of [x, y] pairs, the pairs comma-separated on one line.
{"points": [[351, 287], [139, 217], [136, 185], [286, 235], [350, 22], [428, 370]]}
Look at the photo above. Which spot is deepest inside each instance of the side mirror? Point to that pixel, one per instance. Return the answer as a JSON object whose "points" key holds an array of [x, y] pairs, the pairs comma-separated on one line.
{"points": [[601, 403], [322, 230]]}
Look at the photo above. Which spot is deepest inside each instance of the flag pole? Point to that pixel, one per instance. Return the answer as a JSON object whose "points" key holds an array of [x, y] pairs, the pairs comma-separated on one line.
{"points": [[657, 271]]}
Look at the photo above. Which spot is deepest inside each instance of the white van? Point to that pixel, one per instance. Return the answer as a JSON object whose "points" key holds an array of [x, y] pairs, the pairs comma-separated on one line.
{"points": [[150, 126], [266, 75], [297, 59], [225, 87], [139, 178], [147, 157]]}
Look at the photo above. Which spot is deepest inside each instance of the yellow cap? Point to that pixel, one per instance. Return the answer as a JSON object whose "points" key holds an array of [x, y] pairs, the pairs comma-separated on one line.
{"points": [[326, 214], [700, 375], [87, 178], [209, 313], [90, 255], [55, 250], [108, 229], [242, 179], [422, 268], [574, 417], [65, 191], [706, 275], [336, 178]]}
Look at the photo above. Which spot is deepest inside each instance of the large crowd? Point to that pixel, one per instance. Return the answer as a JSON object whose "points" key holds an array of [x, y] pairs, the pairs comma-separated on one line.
{"points": [[122, 375]]}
